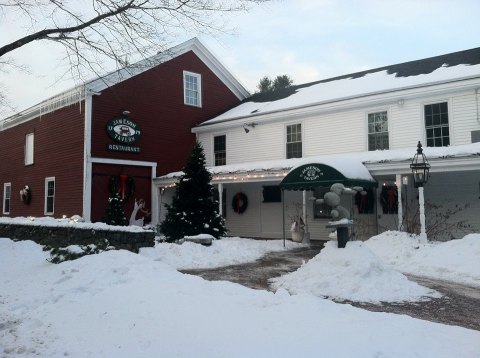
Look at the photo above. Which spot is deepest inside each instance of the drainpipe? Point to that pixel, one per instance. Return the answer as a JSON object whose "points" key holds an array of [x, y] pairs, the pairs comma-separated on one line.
{"points": [[476, 101], [154, 215]]}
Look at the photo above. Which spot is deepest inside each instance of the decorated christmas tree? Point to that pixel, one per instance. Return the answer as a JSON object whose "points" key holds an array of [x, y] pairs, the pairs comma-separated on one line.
{"points": [[193, 210], [115, 213]]}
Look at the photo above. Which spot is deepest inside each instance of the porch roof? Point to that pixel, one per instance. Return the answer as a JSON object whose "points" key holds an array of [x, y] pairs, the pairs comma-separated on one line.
{"points": [[309, 176], [380, 162]]}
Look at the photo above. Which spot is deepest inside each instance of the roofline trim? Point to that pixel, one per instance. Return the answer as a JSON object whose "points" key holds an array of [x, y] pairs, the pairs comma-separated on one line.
{"points": [[205, 127]]}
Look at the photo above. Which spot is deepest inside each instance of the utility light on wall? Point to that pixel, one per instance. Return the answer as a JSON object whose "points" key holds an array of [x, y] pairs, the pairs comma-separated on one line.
{"points": [[246, 125]]}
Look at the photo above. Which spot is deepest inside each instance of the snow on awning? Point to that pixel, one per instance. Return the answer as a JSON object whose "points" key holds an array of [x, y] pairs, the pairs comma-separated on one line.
{"points": [[275, 170], [312, 175]]}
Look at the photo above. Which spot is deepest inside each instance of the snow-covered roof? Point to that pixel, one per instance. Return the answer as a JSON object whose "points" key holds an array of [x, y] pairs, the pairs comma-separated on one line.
{"points": [[435, 70], [78, 93], [279, 168]]}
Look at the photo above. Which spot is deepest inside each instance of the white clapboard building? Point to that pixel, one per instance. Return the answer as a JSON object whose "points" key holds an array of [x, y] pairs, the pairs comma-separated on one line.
{"points": [[364, 125]]}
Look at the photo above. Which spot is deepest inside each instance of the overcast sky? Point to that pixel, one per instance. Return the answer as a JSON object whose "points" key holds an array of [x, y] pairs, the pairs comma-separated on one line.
{"points": [[306, 39]]}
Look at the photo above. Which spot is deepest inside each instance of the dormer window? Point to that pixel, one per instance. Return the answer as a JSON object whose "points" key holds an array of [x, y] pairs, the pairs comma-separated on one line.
{"points": [[192, 89]]}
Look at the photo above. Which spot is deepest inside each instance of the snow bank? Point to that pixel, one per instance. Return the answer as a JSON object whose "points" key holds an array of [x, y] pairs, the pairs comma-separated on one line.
{"points": [[120, 304], [224, 252], [353, 273], [66, 222], [455, 260]]}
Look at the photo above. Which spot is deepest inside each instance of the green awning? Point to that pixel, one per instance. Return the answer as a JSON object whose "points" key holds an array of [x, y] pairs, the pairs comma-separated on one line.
{"points": [[314, 175]]}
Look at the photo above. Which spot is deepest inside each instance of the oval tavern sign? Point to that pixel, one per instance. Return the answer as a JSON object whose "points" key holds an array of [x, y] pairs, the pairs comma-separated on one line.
{"points": [[123, 130], [311, 172]]}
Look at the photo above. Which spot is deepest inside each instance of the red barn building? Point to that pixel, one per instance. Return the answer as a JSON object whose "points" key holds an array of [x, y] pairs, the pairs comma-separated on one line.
{"points": [[121, 130]]}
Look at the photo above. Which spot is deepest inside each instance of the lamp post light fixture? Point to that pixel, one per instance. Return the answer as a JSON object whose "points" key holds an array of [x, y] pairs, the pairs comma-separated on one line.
{"points": [[420, 170], [420, 167]]}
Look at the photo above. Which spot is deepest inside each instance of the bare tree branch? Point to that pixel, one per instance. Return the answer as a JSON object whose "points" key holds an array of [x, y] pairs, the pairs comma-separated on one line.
{"points": [[96, 33]]}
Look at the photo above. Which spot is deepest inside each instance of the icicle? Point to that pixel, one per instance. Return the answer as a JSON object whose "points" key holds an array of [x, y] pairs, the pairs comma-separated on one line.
{"points": [[73, 96]]}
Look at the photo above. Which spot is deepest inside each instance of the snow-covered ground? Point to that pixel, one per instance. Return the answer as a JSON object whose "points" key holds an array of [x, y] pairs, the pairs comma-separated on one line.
{"points": [[455, 260], [228, 251], [120, 304]]}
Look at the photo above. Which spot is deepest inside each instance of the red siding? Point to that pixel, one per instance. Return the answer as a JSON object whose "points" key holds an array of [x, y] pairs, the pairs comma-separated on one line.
{"points": [[100, 188], [58, 152], [155, 101]]}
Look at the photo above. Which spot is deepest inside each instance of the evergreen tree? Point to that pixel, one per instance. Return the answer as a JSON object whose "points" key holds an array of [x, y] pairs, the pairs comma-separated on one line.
{"points": [[193, 210], [280, 82], [265, 85], [283, 81], [115, 214]]}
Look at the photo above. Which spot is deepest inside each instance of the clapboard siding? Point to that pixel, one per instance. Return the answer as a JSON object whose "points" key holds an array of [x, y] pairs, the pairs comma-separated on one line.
{"points": [[154, 99], [346, 131], [405, 124], [335, 133], [261, 143], [248, 223], [58, 152], [207, 143], [467, 192], [464, 114]]}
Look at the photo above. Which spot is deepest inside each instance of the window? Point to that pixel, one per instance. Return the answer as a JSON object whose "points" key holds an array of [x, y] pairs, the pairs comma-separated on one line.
{"points": [[29, 139], [436, 125], [272, 194], [220, 150], [378, 131], [49, 195], [294, 141], [7, 194], [192, 89]]}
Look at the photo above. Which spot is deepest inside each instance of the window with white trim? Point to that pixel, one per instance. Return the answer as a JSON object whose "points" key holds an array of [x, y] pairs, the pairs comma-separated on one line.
{"points": [[378, 131], [436, 125], [192, 89], [7, 195], [220, 149], [29, 142], [49, 195], [294, 141]]}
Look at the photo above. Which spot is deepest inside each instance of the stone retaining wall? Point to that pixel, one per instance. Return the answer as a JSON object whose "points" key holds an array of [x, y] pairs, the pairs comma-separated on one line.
{"points": [[64, 236]]}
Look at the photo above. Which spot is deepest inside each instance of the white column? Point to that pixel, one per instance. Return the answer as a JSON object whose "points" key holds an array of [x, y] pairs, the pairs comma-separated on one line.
{"points": [[398, 180], [304, 209], [155, 201], [220, 199], [421, 202], [87, 165]]}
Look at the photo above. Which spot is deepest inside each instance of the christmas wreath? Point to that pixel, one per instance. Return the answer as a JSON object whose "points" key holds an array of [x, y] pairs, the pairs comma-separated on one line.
{"points": [[122, 184], [26, 194], [239, 203]]}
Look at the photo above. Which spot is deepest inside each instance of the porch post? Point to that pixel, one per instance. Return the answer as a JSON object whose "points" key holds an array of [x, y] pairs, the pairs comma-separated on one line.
{"points": [[154, 217], [304, 209], [283, 216], [398, 180], [421, 202], [220, 199]]}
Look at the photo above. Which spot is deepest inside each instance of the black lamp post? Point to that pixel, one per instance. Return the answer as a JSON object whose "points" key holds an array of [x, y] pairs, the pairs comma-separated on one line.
{"points": [[420, 169]]}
